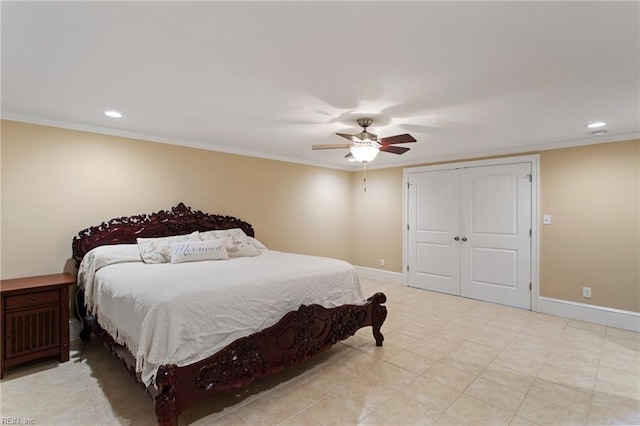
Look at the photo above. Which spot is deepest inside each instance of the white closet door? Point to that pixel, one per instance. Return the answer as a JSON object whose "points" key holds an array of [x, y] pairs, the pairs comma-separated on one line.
{"points": [[496, 222], [434, 222]]}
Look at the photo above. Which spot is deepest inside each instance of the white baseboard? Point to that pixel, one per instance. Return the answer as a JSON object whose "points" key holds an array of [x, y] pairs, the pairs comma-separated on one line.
{"points": [[74, 329], [602, 315], [379, 275]]}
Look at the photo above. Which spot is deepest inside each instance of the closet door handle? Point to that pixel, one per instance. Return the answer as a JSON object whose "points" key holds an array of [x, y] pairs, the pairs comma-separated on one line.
{"points": [[464, 238], [456, 238]]}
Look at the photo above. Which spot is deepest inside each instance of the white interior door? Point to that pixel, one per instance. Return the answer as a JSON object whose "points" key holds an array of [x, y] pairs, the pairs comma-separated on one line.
{"points": [[433, 223], [496, 223]]}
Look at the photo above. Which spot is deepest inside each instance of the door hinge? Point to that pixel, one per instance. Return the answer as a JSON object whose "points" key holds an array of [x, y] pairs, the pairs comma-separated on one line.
{"points": [[530, 232], [530, 286], [407, 268], [407, 226], [530, 177], [408, 185]]}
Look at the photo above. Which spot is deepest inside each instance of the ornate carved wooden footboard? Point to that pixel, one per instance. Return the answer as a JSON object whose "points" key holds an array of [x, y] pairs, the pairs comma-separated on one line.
{"points": [[296, 337]]}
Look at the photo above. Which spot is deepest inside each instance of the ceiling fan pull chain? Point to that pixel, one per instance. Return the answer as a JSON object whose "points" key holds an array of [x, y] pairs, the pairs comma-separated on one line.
{"points": [[365, 177]]}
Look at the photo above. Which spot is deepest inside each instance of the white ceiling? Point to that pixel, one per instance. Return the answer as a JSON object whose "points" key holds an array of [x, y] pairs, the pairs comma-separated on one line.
{"points": [[271, 79]]}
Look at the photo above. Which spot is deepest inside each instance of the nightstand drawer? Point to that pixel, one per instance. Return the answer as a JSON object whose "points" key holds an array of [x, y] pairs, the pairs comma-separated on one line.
{"points": [[31, 299]]}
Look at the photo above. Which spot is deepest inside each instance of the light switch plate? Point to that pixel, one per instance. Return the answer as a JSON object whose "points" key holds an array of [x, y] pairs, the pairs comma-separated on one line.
{"points": [[546, 219]]}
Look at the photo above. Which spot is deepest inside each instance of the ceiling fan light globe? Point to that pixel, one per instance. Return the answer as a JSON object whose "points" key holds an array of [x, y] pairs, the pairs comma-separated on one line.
{"points": [[364, 153]]}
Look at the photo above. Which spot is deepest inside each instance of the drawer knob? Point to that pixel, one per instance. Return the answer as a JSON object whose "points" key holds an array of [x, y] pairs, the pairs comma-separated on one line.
{"points": [[34, 299], [8, 337]]}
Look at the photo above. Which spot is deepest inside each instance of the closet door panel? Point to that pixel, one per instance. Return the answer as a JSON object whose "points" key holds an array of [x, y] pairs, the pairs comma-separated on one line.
{"points": [[495, 224], [434, 222]]}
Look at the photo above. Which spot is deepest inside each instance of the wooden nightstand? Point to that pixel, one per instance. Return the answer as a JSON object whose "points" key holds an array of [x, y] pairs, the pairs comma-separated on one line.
{"points": [[34, 319]]}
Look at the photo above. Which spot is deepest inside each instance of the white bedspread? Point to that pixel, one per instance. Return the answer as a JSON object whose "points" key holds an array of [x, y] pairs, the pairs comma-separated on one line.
{"points": [[183, 313]]}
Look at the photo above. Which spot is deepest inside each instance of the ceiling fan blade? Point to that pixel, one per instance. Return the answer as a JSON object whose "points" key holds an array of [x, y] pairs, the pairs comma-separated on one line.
{"points": [[349, 155], [346, 136], [394, 149], [404, 138], [331, 146]]}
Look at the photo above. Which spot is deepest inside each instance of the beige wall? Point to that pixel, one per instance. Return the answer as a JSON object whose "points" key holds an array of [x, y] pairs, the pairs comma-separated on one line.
{"points": [[377, 219], [592, 193], [56, 182]]}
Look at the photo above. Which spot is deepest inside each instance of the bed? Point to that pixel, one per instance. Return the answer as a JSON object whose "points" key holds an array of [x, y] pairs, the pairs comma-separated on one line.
{"points": [[187, 330]]}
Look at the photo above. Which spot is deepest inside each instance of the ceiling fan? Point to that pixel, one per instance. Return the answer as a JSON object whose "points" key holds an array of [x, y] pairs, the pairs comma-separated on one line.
{"points": [[364, 146]]}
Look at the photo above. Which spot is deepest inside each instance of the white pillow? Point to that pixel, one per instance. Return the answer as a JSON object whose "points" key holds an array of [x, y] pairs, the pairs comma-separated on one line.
{"points": [[238, 244], [118, 252], [241, 247], [257, 243], [194, 251], [223, 233], [158, 250]]}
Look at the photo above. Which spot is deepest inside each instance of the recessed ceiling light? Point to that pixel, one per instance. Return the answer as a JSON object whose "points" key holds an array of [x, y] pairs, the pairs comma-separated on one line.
{"points": [[596, 124], [113, 114]]}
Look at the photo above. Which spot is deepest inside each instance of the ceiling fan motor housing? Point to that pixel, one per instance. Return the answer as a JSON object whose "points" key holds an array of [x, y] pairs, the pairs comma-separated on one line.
{"points": [[364, 122], [366, 137]]}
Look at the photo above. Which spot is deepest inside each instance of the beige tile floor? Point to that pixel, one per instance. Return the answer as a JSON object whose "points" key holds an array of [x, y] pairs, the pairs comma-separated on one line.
{"points": [[445, 361]]}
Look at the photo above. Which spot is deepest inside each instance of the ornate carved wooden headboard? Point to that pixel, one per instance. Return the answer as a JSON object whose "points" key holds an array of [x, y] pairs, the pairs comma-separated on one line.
{"points": [[124, 230]]}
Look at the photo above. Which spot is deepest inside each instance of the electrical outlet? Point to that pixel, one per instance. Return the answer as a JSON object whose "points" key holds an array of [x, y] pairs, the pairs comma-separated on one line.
{"points": [[381, 262], [586, 292]]}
